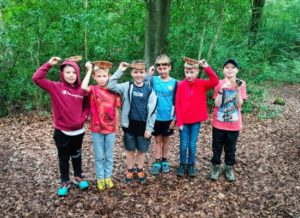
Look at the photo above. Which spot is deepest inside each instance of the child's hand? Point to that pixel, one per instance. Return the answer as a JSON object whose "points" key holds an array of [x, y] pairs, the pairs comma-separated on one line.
{"points": [[54, 60], [203, 63], [226, 85], [123, 66], [151, 70], [147, 134], [88, 66], [172, 124], [238, 83], [180, 127]]}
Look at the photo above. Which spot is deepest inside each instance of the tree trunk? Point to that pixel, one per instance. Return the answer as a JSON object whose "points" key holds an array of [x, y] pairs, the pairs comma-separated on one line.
{"points": [[257, 10], [157, 29], [86, 33], [217, 33], [202, 36]]}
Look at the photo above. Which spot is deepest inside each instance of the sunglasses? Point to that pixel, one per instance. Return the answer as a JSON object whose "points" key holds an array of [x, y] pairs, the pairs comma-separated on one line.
{"points": [[162, 64]]}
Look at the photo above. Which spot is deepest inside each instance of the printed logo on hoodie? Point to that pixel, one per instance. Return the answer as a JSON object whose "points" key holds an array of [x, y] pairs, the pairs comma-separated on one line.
{"points": [[65, 92]]}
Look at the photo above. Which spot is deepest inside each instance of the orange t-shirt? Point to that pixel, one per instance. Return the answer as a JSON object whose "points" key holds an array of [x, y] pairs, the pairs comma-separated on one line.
{"points": [[103, 114], [228, 116]]}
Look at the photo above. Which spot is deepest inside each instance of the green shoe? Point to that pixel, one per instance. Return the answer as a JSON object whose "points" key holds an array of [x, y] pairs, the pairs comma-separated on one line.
{"points": [[181, 170], [215, 172], [229, 174], [192, 171]]}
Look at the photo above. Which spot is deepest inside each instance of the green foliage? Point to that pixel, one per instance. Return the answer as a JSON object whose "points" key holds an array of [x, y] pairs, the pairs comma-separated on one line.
{"points": [[32, 31]]}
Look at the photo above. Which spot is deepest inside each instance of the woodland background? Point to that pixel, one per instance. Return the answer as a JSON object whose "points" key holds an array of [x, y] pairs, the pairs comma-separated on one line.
{"points": [[262, 35]]}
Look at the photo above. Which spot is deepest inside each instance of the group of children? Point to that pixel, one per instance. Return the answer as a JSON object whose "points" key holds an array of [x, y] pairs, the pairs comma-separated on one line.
{"points": [[150, 105]]}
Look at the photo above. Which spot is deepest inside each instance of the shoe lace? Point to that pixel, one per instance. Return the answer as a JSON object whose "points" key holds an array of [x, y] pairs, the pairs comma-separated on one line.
{"points": [[129, 175], [141, 174]]}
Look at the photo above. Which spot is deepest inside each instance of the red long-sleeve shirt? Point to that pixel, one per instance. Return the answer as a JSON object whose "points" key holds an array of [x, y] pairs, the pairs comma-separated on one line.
{"points": [[190, 104], [69, 104]]}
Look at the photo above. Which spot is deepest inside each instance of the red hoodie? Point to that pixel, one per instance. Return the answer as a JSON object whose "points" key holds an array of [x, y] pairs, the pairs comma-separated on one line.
{"points": [[190, 103], [69, 104]]}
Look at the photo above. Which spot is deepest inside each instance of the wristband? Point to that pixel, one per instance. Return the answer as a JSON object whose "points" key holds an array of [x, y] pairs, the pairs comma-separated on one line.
{"points": [[221, 93]]}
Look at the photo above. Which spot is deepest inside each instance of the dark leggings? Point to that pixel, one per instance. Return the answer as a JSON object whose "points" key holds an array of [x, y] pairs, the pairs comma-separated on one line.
{"points": [[68, 147], [227, 140]]}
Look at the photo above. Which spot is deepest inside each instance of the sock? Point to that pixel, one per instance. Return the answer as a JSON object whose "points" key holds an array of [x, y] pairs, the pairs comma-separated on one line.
{"points": [[164, 159], [139, 170], [157, 160]]}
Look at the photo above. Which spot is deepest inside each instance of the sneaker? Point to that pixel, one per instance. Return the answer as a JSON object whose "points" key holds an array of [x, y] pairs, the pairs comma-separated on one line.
{"points": [[108, 182], [63, 190], [180, 170], [101, 185], [129, 177], [229, 173], [165, 166], [142, 177], [81, 183], [215, 172], [155, 168], [192, 171]]}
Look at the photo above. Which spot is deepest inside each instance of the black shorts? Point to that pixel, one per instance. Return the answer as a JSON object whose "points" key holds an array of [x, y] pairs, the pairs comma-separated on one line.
{"points": [[162, 128]]}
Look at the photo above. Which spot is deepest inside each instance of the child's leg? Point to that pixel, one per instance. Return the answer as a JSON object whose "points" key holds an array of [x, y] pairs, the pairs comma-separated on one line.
{"points": [[130, 159], [218, 139], [109, 154], [230, 147], [62, 142], [193, 137], [130, 147], [184, 139], [140, 159], [158, 147], [98, 145], [165, 146], [76, 154], [142, 148]]}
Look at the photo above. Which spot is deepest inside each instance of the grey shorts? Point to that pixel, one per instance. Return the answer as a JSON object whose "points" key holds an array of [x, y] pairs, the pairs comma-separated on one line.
{"points": [[133, 142]]}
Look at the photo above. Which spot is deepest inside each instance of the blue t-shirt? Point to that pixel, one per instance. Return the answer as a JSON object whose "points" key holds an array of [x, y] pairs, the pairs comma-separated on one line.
{"points": [[165, 92], [139, 103]]}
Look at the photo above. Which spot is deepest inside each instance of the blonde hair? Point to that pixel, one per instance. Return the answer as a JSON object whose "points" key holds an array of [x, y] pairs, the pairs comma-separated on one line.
{"points": [[163, 56]]}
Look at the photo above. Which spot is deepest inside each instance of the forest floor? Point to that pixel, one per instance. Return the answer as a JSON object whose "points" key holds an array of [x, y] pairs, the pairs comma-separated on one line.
{"points": [[267, 170]]}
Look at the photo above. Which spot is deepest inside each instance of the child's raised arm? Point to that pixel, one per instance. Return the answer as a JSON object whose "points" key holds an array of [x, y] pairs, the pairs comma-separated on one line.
{"points": [[39, 77], [113, 81], [85, 82], [213, 78]]}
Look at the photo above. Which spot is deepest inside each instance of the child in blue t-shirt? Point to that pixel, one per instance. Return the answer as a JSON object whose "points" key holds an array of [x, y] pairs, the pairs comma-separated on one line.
{"points": [[165, 89]]}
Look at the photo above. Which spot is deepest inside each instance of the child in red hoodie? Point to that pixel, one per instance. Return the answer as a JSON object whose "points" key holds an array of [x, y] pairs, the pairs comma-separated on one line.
{"points": [[191, 110], [70, 111]]}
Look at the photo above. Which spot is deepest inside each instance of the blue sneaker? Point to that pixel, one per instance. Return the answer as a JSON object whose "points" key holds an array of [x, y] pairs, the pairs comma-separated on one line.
{"points": [[81, 183], [63, 190], [165, 166], [155, 168]]}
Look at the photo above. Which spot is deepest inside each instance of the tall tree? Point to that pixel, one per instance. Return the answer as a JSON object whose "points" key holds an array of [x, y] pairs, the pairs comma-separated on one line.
{"points": [[257, 11], [156, 29]]}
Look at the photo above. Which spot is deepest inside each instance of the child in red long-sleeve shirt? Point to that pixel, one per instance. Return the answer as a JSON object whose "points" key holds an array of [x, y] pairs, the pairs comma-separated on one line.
{"points": [[191, 110]]}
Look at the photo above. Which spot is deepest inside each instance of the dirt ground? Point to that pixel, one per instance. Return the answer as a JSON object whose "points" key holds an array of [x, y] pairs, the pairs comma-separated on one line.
{"points": [[267, 170]]}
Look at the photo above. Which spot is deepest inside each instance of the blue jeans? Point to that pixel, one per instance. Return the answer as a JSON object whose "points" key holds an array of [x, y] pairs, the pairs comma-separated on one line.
{"points": [[103, 152], [188, 142]]}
